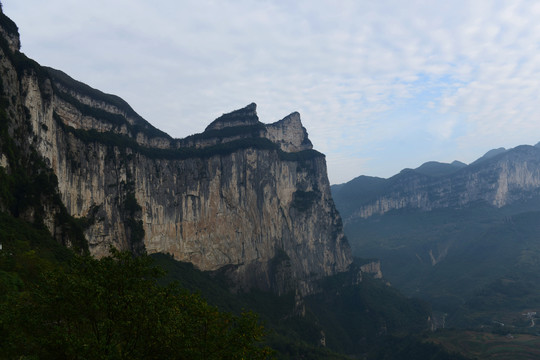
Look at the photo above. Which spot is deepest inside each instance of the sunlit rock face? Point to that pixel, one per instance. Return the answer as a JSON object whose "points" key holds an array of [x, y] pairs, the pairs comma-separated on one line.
{"points": [[243, 197]]}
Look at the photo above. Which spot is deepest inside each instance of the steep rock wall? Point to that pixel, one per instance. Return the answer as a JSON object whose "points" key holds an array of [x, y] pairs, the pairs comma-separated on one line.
{"points": [[248, 199]]}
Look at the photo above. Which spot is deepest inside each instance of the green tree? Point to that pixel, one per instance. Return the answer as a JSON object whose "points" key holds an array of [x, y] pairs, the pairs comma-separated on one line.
{"points": [[112, 308]]}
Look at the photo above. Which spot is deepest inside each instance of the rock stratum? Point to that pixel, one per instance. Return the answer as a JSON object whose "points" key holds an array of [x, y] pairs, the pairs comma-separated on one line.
{"points": [[243, 197]]}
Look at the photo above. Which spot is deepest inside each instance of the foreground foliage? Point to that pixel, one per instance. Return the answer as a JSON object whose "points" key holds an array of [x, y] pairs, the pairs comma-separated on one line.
{"points": [[112, 308]]}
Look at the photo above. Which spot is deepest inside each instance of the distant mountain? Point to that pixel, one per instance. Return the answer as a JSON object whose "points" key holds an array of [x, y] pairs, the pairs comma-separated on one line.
{"points": [[366, 189], [357, 191], [453, 233], [434, 168], [498, 179], [489, 155]]}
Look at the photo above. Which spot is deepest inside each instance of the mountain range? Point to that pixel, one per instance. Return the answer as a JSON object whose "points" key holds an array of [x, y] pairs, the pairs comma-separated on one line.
{"points": [[464, 237]]}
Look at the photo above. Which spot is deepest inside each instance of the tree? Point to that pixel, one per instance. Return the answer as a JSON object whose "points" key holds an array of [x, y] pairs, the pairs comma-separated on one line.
{"points": [[112, 308]]}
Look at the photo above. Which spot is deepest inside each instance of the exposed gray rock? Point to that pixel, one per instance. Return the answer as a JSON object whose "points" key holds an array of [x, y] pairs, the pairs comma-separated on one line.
{"points": [[289, 134]]}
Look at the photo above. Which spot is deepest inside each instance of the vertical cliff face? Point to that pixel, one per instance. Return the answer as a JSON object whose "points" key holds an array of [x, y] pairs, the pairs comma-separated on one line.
{"points": [[249, 199]]}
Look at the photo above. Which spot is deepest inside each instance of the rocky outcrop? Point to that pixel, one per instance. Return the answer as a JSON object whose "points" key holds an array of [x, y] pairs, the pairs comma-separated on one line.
{"points": [[242, 117], [245, 198], [373, 268], [289, 134]]}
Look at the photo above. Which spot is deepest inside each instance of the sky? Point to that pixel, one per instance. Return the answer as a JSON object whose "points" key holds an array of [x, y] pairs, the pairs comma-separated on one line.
{"points": [[380, 85]]}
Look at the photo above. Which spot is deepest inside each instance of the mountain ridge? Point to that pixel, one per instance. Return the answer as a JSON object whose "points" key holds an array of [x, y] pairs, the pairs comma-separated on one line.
{"points": [[417, 188]]}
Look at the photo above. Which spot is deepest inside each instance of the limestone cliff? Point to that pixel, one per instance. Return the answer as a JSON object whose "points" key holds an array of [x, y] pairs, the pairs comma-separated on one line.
{"points": [[249, 199]]}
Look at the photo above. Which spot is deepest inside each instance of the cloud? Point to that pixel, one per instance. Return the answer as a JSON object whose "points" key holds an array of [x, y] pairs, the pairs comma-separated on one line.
{"points": [[412, 78]]}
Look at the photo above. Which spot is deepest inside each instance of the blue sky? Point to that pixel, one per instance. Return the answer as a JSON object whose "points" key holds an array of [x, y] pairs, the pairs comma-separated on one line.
{"points": [[380, 85]]}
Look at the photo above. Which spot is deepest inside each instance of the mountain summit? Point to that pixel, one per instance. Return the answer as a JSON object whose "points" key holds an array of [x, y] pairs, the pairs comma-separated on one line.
{"points": [[246, 116]]}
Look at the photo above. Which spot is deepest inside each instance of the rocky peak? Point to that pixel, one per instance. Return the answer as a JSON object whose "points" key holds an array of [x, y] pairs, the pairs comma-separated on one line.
{"points": [[289, 134], [490, 154], [243, 117]]}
